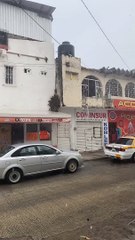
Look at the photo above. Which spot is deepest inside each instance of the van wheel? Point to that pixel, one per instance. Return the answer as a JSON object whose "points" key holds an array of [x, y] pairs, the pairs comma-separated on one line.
{"points": [[72, 166], [14, 176]]}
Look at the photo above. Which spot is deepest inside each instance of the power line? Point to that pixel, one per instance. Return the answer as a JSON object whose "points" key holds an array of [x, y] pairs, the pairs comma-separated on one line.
{"points": [[17, 3], [101, 29]]}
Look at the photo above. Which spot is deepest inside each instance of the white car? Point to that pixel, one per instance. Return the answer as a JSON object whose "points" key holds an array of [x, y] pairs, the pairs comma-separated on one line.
{"points": [[21, 160], [123, 149]]}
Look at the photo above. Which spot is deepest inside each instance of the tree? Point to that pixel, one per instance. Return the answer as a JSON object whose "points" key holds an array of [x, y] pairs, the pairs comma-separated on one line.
{"points": [[54, 102]]}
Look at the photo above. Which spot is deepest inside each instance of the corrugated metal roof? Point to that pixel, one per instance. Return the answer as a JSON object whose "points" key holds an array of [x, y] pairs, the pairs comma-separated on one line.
{"points": [[42, 9]]}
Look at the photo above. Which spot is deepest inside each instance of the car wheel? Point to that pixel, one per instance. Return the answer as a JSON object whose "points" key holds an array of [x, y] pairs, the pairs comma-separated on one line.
{"points": [[133, 158], [14, 176], [72, 166]]}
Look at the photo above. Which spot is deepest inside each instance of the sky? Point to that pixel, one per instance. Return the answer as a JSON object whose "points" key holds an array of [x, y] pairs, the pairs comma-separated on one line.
{"points": [[73, 23]]}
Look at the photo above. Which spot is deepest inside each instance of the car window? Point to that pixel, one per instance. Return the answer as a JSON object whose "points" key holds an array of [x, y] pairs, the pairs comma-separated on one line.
{"points": [[6, 150], [26, 151], [45, 150], [125, 141]]}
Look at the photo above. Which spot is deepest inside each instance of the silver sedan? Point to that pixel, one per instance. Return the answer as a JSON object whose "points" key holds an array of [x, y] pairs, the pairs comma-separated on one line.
{"points": [[17, 161]]}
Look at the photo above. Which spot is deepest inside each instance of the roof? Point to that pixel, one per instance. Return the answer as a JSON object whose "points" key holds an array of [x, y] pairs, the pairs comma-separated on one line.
{"points": [[42, 9], [47, 114]]}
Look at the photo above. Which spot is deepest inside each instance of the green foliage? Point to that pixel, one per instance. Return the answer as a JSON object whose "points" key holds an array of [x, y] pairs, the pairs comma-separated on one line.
{"points": [[54, 103]]}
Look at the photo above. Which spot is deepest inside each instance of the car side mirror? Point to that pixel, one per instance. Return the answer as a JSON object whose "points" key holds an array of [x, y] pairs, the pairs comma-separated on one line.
{"points": [[58, 152]]}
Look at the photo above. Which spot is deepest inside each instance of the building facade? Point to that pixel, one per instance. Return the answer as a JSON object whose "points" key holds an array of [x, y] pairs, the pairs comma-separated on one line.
{"points": [[97, 100], [27, 76]]}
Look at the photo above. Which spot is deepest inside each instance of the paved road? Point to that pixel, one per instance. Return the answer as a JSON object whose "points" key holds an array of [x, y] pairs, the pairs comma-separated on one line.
{"points": [[98, 202]]}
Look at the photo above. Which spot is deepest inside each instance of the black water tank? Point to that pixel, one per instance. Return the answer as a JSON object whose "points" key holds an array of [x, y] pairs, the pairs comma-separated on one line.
{"points": [[66, 49]]}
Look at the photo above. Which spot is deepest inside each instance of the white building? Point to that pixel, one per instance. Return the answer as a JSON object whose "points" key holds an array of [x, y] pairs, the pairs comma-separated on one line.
{"points": [[27, 75]]}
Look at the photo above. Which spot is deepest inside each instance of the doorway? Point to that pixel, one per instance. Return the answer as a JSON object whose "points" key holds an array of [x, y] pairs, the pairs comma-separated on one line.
{"points": [[112, 132], [17, 133]]}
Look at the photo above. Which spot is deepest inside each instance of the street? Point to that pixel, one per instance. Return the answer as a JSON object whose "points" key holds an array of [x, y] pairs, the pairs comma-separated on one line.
{"points": [[98, 202]]}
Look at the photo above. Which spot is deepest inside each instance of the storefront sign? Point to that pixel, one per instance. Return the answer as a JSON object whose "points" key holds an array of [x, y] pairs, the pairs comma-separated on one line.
{"points": [[124, 104], [91, 115], [33, 120], [124, 122], [106, 132]]}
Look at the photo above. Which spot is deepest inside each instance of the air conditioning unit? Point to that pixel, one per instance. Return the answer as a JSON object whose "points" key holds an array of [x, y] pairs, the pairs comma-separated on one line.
{"points": [[3, 52]]}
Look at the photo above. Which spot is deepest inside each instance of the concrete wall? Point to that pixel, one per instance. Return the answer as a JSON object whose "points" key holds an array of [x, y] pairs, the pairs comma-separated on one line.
{"points": [[73, 75], [31, 91]]}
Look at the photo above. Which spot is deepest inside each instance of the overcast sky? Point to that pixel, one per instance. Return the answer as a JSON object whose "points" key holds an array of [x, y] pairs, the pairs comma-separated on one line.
{"points": [[117, 18]]}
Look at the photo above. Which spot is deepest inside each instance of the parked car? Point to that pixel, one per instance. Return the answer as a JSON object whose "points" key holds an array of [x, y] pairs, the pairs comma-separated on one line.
{"points": [[21, 160], [124, 148]]}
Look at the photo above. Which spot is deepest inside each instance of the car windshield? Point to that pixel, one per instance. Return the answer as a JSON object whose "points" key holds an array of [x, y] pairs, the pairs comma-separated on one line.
{"points": [[125, 141], [6, 150]]}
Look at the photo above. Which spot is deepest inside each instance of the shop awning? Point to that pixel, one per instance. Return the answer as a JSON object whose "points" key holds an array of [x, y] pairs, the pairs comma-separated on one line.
{"points": [[48, 117]]}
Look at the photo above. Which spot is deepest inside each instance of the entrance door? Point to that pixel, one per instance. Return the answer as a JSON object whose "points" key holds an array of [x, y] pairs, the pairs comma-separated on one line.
{"points": [[89, 136], [112, 132], [17, 133]]}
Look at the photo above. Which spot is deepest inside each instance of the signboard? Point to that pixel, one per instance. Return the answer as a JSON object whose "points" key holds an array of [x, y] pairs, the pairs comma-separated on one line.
{"points": [[91, 115], [33, 120], [106, 132], [125, 122], [124, 104]]}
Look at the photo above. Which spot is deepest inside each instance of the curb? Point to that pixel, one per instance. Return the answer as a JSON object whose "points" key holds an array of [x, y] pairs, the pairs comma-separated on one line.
{"points": [[94, 159]]}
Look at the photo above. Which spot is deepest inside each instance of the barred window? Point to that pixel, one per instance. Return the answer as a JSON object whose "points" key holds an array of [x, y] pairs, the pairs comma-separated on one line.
{"points": [[114, 88], [91, 87], [9, 75], [130, 90]]}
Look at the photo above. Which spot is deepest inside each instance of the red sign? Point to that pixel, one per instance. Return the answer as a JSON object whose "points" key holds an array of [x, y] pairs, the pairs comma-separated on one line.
{"points": [[33, 120], [124, 120], [124, 104]]}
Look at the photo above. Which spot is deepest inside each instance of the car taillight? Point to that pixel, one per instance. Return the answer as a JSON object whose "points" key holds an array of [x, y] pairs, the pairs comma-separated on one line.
{"points": [[122, 150]]}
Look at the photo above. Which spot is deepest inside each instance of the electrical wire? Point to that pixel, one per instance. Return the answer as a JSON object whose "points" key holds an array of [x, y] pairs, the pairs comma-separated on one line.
{"points": [[101, 29], [17, 3]]}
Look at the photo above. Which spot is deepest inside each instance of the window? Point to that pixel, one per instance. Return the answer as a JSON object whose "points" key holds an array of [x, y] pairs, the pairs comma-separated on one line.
{"points": [[125, 141], [9, 75], [26, 151], [91, 87], [113, 88], [31, 132], [45, 132], [130, 90], [6, 150], [45, 150], [96, 132]]}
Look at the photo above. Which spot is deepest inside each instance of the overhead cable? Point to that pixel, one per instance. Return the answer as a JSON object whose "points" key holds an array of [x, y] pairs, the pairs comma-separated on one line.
{"points": [[101, 29], [26, 12]]}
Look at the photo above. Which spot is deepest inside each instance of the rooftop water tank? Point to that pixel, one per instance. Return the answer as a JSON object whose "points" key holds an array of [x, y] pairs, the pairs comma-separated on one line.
{"points": [[66, 49]]}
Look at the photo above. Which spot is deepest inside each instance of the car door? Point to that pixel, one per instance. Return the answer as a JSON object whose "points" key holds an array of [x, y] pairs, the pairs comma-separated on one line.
{"points": [[51, 159], [27, 157]]}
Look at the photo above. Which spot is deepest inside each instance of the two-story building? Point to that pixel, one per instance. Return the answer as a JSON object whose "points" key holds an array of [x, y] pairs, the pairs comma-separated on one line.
{"points": [[27, 75], [101, 102]]}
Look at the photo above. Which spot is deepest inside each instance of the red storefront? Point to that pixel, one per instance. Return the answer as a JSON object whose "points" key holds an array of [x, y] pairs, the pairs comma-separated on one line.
{"points": [[121, 119]]}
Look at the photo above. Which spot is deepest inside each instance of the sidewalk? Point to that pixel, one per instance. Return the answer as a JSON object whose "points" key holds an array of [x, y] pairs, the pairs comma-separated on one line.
{"points": [[93, 155]]}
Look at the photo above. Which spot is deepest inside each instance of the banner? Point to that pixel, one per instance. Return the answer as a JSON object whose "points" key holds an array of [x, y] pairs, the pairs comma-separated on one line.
{"points": [[124, 120]]}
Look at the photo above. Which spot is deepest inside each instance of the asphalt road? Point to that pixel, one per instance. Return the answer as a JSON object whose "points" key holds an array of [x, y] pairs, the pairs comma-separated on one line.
{"points": [[98, 202]]}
